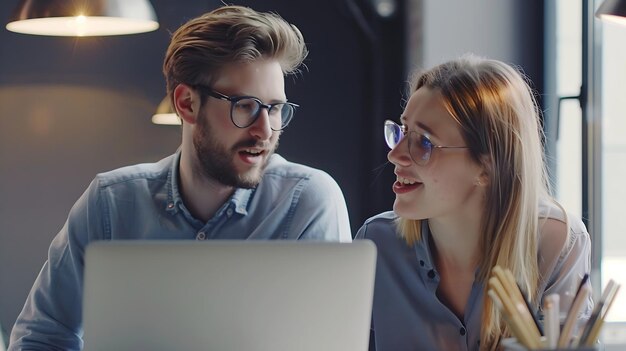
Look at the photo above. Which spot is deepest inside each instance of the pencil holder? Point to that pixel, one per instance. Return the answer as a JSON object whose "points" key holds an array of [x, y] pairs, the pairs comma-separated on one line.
{"points": [[511, 344]]}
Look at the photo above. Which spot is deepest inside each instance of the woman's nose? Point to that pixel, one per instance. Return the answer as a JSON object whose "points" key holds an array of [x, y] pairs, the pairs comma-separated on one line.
{"points": [[399, 155]]}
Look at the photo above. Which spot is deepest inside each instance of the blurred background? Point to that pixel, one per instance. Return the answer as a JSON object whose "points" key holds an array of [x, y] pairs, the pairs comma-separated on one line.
{"points": [[72, 107]]}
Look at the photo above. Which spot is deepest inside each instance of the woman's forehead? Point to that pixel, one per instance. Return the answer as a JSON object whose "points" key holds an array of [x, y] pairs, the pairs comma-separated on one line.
{"points": [[426, 110]]}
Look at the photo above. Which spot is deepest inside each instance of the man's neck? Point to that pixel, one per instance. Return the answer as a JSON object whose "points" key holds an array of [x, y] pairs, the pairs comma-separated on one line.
{"points": [[202, 196]]}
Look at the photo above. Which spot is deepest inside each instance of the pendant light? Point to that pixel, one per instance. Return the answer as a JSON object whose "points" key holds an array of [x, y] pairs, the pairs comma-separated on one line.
{"points": [[83, 17], [165, 113], [613, 11]]}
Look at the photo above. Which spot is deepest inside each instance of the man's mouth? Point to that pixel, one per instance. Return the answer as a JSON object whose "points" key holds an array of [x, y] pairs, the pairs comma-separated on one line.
{"points": [[252, 156], [253, 152]]}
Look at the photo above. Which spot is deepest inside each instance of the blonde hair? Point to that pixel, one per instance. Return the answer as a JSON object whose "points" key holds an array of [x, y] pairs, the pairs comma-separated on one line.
{"points": [[230, 34], [499, 120]]}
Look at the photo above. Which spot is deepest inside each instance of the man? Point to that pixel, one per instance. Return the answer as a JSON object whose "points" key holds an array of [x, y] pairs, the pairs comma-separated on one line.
{"points": [[225, 76]]}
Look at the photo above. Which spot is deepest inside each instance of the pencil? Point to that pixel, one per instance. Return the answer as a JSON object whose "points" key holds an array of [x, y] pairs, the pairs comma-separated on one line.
{"points": [[551, 320], [597, 312], [572, 315], [508, 281], [595, 331], [513, 327], [524, 335]]}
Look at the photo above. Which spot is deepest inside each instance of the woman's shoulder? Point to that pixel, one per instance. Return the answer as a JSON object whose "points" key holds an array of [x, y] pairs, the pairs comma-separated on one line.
{"points": [[562, 236], [556, 224], [384, 217], [380, 224]]}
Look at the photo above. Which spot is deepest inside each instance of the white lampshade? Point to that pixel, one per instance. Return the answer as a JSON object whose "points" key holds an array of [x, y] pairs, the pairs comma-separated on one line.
{"points": [[613, 11], [165, 113], [83, 17]]}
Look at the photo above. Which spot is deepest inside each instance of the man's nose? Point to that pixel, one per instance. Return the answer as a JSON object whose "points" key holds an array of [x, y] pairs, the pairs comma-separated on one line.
{"points": [[261, 128]]}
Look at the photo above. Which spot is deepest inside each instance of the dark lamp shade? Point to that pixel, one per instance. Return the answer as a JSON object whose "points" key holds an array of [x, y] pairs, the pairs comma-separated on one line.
{"points": [[613, 11], [83, 17]]}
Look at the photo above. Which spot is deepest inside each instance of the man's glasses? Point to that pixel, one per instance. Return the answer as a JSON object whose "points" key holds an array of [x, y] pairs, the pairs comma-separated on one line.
{"points": [[420, 147], [244, 110]]}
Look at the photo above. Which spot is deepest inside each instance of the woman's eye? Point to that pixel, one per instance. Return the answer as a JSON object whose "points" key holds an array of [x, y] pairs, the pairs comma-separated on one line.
{"points": [[425, 142]]}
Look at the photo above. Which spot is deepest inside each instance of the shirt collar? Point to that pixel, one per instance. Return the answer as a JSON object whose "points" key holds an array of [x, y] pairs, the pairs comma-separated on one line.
{"points": [[239, 199], [173, 195], [422, 247]]}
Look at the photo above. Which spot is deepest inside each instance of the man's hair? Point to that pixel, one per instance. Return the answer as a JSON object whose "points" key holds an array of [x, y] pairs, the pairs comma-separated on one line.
{"points": [[499, 119], [227, 35]]}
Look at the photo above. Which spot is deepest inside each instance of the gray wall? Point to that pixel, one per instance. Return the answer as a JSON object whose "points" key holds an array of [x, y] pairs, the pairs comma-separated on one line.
{"points": [[70, 108], [507, 30]]}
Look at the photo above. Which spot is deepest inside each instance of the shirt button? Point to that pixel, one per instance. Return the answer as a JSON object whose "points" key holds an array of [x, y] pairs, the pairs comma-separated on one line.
{"points": [[462, 331], [431, 274], [422, 263], [201, 236], [170, 205], [229, 212]]}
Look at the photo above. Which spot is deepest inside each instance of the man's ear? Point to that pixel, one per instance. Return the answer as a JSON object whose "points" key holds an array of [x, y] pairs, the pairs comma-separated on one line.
{"points": [[186, 103]]}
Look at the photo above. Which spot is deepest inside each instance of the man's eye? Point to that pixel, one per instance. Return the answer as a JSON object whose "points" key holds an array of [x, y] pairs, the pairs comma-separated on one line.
{"points": [[246, 105], [276, 109]]}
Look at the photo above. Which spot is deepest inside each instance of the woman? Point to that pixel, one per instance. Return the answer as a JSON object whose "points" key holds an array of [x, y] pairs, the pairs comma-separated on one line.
{"points": [[471, 193]]}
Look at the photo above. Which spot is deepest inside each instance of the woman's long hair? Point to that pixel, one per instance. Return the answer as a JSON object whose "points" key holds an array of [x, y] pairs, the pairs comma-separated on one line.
{"points": [[499, 120]]}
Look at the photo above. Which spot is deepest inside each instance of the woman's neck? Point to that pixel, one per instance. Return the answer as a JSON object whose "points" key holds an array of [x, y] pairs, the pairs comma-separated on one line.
{"points": [[456, 243]]}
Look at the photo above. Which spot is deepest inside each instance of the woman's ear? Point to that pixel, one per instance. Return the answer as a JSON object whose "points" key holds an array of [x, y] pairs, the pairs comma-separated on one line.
{"points": [[186, 103], [483, 179]]}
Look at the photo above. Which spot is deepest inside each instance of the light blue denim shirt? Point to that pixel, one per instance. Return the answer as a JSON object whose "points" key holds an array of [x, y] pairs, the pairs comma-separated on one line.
{"points": [[292, 201], [407, 314]]}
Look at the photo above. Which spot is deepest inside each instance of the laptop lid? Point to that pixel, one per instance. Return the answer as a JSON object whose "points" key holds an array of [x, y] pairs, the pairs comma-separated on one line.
{"points": [[228, 295]]}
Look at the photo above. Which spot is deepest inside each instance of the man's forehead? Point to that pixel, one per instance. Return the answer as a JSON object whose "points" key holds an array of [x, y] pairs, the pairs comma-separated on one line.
{"points": [[256, 77]]}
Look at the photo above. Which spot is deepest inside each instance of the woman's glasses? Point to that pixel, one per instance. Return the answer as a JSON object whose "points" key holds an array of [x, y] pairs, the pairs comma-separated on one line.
{"points": [[420, 146]]}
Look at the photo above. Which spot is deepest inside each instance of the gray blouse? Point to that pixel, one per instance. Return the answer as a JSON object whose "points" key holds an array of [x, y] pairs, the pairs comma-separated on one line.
{"points": [[407, 314]]}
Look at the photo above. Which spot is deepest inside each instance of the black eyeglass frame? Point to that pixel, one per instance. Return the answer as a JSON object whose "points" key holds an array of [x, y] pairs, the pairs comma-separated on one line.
{"points": [[206, 90], [403, 133]]}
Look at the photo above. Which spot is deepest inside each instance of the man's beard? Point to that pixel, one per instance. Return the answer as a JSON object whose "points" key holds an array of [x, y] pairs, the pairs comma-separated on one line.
{"points": [[216, 162]]}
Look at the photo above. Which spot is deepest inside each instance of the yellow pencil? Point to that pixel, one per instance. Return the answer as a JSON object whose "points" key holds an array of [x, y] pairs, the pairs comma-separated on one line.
{"points": [[525, 336], [508, 281], [595, 330]]}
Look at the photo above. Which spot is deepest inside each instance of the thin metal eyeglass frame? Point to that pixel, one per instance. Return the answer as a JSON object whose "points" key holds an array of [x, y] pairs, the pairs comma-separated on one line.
{"points": [[234, 99], [400, 132]]}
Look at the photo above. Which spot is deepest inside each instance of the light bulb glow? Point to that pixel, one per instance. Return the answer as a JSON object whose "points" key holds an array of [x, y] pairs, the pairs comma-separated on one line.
{"points": [[614, 19], [166, 119], [82, 26]]}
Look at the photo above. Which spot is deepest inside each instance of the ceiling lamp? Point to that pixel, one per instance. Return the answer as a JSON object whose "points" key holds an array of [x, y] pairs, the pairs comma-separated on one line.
{"points": [[613, 11], [81, 18], [165, 114]]}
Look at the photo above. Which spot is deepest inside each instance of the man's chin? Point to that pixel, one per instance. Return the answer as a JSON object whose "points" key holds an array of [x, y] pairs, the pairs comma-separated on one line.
{"points": [[249, 179]]}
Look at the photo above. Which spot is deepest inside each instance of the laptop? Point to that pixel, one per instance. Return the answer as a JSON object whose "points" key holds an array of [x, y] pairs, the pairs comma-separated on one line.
{"points": [[228, 295]]}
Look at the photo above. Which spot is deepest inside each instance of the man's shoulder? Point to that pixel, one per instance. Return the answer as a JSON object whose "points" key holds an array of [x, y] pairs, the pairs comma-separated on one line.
{"points": [[142, 171], [309, 186], [281, 168]]}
